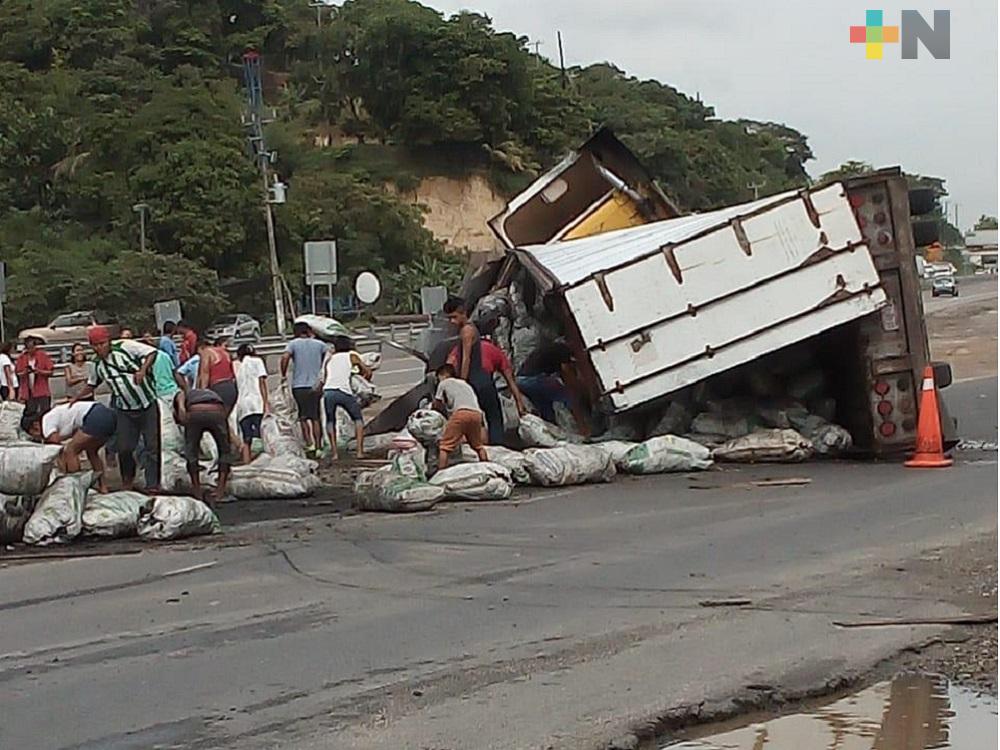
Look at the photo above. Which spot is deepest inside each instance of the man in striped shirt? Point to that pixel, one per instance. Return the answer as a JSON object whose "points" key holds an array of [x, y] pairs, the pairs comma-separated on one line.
{"points": [[126, 369]]}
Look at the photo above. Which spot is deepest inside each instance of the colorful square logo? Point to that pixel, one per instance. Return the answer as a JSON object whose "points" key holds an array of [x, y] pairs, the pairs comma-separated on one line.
{"points": [[874, 34]]}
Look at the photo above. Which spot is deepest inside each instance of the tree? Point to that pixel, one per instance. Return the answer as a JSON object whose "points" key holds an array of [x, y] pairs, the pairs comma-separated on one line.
{"points": [[850, 168], [986, 222]]}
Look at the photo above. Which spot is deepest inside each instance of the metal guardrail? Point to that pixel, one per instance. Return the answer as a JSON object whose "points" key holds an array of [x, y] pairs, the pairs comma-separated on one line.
{"points": [[369, 339]]}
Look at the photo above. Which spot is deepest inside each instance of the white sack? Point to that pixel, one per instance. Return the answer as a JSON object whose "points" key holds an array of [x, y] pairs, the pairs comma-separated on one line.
{"points": [[478, 481], [535, 432], [773, 446], [386, 490], [616, 450], [25, 468], [11, 413], [569, 464], [513, 461], [58, 517], [281, 437], [666, 453], [113, 515], [426, 425], [177, 517]]}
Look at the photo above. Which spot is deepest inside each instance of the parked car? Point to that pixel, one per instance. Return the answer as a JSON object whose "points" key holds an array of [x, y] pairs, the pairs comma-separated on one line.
{"points": [[239, 327], [944, 286], [71, 327]]}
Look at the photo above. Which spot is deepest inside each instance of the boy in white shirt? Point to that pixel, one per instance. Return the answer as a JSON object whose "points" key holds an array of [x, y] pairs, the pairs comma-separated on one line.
{"points": [[82, 427]]}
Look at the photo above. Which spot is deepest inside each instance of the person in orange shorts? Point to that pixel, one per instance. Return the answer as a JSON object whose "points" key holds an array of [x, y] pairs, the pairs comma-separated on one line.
{"points": [[456, 399]]}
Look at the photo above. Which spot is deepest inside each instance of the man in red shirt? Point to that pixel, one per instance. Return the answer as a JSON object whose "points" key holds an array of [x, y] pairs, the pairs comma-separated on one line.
{"points": [[494, 360], [34, 368], [189, 342]]}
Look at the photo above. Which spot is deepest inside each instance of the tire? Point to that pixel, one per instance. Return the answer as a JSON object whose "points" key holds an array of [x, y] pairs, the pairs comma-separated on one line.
{"points": [[255, 335]]}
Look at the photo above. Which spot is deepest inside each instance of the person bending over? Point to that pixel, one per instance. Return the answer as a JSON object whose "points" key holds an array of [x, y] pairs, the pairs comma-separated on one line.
{"points": [[81, 427], [200, 410], [336, 377], [456, 399]]}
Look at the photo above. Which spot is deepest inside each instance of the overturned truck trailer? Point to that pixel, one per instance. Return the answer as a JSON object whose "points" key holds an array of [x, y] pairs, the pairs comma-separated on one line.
{"points": [[660, 306]]}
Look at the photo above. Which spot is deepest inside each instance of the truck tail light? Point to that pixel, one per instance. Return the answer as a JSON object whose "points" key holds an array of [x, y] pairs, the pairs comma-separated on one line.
{"points": [[884, 408], [888, 429], [881, 387]]}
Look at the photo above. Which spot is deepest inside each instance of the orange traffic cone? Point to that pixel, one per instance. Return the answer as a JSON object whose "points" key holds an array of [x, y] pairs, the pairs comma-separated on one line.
{"points": [[930, 448]]}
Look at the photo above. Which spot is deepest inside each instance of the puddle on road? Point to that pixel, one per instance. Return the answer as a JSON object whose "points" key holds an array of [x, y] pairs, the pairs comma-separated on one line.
{"points": [[912, 712]]}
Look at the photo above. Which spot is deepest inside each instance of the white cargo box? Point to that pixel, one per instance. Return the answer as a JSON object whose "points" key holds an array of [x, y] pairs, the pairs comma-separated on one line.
{"points": [[665, 305]]}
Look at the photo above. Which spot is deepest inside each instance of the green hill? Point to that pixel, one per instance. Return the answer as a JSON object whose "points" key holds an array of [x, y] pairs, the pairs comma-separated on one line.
{"points": [[108, 103]]}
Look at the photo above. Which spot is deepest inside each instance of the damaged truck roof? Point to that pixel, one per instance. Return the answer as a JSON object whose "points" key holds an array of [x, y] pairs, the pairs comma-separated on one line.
{"points": [[664, 305]]}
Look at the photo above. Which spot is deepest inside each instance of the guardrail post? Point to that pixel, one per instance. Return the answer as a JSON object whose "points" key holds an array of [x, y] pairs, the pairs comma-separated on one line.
{"points": [[392, 332]]}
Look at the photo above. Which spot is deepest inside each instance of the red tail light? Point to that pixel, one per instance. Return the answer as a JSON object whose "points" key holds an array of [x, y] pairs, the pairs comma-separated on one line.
{"points": [[881, 387], [888, 429]]}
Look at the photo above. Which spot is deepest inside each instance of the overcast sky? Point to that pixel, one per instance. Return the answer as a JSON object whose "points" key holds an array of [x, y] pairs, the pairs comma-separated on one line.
{"points": [[791, 61]]}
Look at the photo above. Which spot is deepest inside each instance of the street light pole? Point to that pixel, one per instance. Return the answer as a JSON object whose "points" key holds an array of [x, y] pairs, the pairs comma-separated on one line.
{"points": [[141, 209]]}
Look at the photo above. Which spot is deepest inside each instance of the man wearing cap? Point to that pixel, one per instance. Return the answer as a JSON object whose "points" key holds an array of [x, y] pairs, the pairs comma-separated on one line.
{"points": [[126, 368], [33, 369]]}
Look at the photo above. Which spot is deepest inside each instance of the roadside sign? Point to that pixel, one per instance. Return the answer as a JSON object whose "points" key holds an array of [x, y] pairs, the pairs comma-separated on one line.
{"points": [[164, 311], [367, 287], [320, 262], [432, 299]]}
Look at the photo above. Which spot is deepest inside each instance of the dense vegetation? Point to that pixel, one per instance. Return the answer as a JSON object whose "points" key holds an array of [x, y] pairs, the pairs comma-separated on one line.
{"points": [[108, 103]]}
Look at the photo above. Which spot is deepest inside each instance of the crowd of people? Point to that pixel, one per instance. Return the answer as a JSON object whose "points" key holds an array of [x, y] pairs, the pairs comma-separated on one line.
{"points": [[198, 380]]}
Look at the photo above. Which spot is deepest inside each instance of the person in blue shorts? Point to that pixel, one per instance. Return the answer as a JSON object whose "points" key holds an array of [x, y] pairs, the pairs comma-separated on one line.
{"points": [[81, 427]]}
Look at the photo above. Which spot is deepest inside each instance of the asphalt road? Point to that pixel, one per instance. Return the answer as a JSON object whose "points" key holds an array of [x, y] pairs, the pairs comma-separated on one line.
{"points": [[970, 289], [554, 621]]}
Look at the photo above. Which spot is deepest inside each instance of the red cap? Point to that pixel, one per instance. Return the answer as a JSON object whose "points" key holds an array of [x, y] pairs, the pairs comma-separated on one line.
{"points": [[98, 335]]}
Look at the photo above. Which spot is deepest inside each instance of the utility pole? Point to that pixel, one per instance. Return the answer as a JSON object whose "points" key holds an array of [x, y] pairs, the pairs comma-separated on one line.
{"points": [[538, 58], [141, 209], [562, 59], [756, 186], [254, 122]]}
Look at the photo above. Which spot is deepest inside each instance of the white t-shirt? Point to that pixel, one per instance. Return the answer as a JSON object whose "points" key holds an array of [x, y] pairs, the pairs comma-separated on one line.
{"points": [[249, 371], [65, 419], [5, 362], [337, 372]]}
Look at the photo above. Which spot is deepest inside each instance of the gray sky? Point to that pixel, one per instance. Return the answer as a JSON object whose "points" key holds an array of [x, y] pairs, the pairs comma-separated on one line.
{"points": [[791, 61]]}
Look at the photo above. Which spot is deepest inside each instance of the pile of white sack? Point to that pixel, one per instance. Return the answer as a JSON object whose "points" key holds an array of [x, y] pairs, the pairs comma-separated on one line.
{"points": [[40, 506], [554, 458]]}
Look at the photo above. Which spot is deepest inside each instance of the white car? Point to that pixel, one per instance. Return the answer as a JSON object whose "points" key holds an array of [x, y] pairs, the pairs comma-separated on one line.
{"points": [[240, 327]]}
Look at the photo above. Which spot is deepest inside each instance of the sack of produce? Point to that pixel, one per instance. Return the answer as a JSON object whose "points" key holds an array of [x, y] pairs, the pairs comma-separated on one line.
{"points": [[828, 439], [513, 461], [15, 510], [771, 446], [426, 425], [113, 515], [616, 450], [274, 478], [172, 517], [11, 413], [280, 436], [25, 468], [325, 328], [408, 457], [388, 491], [58, 516], [569, 464], [666, 453], [535, 432], [474, 481]]}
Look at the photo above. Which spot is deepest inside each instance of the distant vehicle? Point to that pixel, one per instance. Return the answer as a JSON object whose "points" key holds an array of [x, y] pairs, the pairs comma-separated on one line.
{"points": [[70, 327], [944, 286], [240, 327]]}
